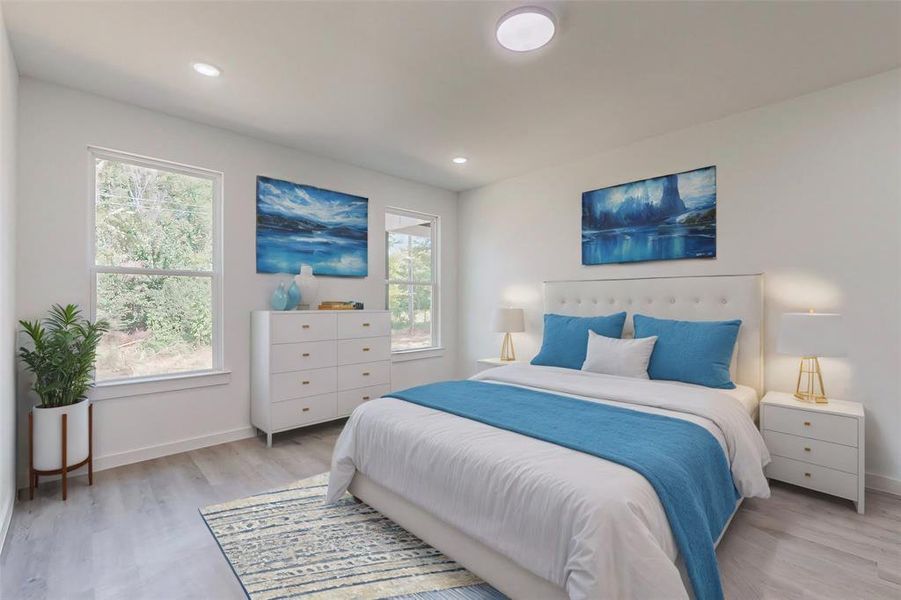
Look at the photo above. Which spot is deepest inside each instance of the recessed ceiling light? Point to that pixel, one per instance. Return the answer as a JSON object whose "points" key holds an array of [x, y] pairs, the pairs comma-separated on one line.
{"points": [[460, 160], [207, 69], [526, 28]]}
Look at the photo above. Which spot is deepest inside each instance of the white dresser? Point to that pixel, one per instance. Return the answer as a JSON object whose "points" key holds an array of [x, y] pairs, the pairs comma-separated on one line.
{"points": [[313, 366], [817, 446]]}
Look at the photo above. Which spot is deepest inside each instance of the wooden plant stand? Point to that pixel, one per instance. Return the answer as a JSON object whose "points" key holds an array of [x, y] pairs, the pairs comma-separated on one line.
{"points": [[33, 473]]}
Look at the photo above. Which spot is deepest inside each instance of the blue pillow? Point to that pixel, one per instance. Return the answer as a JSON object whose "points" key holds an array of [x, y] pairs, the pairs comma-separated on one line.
{"points": [[566, 338], [690, 351]]}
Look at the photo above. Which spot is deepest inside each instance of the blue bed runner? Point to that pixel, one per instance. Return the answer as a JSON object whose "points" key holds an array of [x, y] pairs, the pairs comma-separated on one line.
{"points": [[681, 460]]}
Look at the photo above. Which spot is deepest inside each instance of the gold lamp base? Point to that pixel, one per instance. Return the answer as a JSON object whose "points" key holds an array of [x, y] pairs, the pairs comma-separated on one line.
{"points": [[809, 374], [507, 352]]}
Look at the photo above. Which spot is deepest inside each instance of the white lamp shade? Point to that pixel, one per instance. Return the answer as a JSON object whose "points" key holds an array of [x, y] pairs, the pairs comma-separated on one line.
{"points": [[812, 334], [509, 320]]}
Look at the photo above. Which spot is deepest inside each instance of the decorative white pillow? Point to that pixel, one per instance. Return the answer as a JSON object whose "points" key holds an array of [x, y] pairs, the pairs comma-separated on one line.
{"points": [[612, 356]]}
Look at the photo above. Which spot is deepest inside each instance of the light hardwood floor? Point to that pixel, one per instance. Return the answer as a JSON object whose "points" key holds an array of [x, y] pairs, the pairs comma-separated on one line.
{"points": [[137, 533]]}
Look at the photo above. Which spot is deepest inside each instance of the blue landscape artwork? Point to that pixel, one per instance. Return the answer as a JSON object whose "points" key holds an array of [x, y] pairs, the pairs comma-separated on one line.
{"points": [[299, 224], [663, 218]]}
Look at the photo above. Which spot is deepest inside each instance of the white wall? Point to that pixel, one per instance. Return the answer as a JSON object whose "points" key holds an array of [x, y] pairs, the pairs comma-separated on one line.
{"points": [[9, 80], [57, 125], [808, 193]]}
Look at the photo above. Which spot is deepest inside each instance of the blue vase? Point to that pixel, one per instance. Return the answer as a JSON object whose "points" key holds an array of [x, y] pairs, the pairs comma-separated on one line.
{"points": [[293, 296], [279, 300]]}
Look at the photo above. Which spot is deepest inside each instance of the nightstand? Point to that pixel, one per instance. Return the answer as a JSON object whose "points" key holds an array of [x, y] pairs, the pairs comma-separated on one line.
{"points": [[484, 364], [816, 446]]}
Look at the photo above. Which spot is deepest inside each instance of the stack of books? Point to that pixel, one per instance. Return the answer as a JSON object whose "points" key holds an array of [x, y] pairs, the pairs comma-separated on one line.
{"points": [[340, 305]]}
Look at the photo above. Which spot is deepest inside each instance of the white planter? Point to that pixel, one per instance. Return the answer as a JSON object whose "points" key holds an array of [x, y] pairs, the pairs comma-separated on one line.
{"points": [[48, 435]]}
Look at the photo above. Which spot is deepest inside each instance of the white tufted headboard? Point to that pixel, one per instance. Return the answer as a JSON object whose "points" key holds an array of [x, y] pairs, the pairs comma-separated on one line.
{"points": [[704, 298]]}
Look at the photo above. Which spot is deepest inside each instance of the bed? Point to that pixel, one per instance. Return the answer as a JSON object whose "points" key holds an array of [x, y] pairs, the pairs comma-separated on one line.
{"points": [[539, 520]]}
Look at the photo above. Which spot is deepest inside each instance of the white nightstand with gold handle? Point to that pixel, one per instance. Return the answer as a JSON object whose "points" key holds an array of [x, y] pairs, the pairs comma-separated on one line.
{"points": [[816, 446]]}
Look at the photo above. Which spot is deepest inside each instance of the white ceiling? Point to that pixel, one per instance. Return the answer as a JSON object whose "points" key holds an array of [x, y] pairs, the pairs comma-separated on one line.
{"points": [[402, 87]]}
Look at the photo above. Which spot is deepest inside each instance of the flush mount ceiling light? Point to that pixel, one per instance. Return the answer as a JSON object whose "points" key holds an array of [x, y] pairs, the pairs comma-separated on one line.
{"points": [[526, 28], [207, 69], [460, 160]]}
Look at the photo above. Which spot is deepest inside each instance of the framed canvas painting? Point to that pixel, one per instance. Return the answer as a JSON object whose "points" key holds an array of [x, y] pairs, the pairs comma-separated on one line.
{"points": [[300, 224], [662, 218]]}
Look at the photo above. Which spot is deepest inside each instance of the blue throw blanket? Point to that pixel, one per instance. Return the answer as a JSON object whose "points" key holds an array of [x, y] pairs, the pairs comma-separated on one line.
{"points": [[681, 460]]}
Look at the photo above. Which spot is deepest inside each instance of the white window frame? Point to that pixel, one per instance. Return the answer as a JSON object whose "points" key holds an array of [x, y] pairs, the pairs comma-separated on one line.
{"points": [[435, 348], [216, 375]]}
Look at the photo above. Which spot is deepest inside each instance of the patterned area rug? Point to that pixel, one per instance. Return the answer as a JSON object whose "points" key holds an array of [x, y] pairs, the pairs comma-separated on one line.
{"points": [[289, 544]]}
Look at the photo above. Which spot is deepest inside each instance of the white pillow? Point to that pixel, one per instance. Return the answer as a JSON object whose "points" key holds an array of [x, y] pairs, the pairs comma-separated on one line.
{"points": [[612, 356]]}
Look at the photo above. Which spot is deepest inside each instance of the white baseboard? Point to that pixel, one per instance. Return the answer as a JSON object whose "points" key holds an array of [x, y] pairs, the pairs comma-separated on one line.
{"points": [[881, 483], [5, 519], [128, 457], [150, 452]]}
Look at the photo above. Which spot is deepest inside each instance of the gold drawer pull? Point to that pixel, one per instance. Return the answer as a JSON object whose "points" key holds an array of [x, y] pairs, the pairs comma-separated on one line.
{"points": [[806, 474], [365, 324], [305, 354], [365, 349], [305, 382], [806, 423], [305, 409], [365, 373], [806, 449], [305, 326], [365, 397]]}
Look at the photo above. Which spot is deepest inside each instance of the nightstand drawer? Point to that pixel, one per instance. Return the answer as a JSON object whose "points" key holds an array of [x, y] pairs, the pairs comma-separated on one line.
{"points": [[818, 452], [300, 411], [814, 477], [806, 423]]}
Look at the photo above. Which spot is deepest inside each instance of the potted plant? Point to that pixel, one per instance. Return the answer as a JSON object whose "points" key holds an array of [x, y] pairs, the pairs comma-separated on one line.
{"points": [[64, 347]]}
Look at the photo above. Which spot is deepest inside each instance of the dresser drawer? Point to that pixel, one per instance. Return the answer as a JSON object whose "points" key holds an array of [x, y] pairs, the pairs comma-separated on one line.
{"points": [[815, 477], [831, 428], [351, 352], [290, 327], [306, 355], [300, 384], [359, 325], [348, 400], [300, 411], [818, 452], [363, 375]]}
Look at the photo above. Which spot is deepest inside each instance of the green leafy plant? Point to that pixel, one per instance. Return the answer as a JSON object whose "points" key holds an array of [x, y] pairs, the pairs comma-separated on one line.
{"points": [[63, 354]]}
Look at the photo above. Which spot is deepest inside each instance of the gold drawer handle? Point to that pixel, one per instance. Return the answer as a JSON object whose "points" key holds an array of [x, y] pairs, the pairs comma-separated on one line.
{"points": [[806, 449], [365, 324], [305, 354], [305, 326], [305, 409], [365, 373], [305, 382], [365, 349], [365, 397], [806, 474], [806, 423]]}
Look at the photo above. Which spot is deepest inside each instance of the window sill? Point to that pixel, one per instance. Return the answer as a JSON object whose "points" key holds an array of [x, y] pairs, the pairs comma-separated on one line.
{"points": [[405, 355], [141, 386]]}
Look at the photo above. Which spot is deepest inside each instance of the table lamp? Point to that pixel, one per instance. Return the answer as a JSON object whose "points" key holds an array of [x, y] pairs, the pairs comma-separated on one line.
{"points": [[811, 335], [507, 321]]}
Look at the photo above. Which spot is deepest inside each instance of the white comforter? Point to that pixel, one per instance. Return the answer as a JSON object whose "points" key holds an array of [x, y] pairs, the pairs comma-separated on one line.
{"points": [[593, 527]]}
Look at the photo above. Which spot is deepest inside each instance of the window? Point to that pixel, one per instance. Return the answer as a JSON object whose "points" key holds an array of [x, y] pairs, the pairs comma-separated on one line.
{"points": [[411, 240], [156, 267]]}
